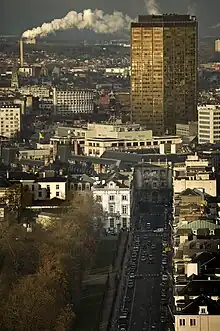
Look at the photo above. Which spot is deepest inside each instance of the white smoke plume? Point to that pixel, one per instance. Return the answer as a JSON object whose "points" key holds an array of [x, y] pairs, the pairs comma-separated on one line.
{"points": [[95, 20], [192, 9], [152, 7]]}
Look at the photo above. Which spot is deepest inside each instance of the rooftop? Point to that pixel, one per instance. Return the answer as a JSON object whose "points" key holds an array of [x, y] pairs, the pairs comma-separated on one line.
{"points": [[192, 308]]}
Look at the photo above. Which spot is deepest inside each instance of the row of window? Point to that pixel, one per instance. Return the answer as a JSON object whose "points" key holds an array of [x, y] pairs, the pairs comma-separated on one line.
{"points": [[111, 209], [113, 222], [48, 187], [192, 322], [48, 194], [111, 198]]}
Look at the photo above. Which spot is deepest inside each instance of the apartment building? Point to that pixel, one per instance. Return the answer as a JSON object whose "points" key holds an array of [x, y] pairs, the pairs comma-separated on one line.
{"points": [[209, 124], [194, 173], [201, 314], [40, 91], [10, 121], [114, 197], [72, 101]]}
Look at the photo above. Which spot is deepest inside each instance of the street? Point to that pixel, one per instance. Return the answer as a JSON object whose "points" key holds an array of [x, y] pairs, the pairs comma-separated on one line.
{"points": [[146, 300]]}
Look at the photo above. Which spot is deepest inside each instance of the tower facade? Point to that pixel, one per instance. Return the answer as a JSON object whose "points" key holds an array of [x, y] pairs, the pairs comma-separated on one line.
{"points": [[164, 71]]}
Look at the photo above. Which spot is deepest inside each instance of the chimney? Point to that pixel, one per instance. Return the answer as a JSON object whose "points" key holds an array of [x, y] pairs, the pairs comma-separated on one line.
{"points": [[21, 53]]}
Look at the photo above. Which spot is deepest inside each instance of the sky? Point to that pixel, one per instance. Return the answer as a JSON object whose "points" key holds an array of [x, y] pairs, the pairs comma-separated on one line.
{"points": [[18, 15]]}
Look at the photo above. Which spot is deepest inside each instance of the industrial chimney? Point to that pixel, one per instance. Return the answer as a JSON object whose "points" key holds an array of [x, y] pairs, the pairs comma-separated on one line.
{"points": [[21, 53]]}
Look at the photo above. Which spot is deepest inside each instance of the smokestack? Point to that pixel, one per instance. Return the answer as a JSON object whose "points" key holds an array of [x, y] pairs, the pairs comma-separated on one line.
{"points": [[21, 53]]}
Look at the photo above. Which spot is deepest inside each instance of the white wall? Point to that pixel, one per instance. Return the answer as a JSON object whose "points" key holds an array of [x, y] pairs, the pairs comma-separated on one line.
{"points": [[121, 209], [181, 185]]}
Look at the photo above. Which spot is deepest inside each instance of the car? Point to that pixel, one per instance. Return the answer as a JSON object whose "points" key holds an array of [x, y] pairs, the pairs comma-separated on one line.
{"points": [[131, 275], [164, 277], [130, 284], [148, 226]]}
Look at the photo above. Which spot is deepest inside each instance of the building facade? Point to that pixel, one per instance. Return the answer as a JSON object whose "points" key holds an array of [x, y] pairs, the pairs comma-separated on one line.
{"points": [[68, 102], [114, 196], [164, 71], [208, 124], [37, 91], [10, 121]]}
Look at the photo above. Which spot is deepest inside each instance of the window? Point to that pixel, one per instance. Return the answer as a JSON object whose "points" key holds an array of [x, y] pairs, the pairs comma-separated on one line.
{"points": [[98, 198], [182, 322], [124, 197], [203, 310], [111, 197], [124, 209], [48, 187], [57, 194], [39, 194], [192, 322], [111, 222], [111, 209], [124, 222], [57, 187]]}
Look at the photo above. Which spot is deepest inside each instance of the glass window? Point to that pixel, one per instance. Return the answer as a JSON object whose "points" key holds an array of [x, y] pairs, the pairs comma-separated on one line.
{"points": [[111, 209], [124, 222], [57, 187], [182, 322], [111, 222], [124, 209], [124, 197], [111, 197], [192, 322]]}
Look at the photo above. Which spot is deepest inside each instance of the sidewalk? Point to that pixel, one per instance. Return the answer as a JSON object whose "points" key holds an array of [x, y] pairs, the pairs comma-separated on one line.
{"points": [[112, 286]]}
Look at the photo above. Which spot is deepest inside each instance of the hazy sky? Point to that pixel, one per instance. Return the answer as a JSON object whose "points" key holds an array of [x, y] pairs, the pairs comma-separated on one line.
{"points": [[19, 15]]}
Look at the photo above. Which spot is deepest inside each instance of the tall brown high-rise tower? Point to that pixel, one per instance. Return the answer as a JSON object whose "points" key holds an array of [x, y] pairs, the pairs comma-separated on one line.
{"points": [[164, 71]]}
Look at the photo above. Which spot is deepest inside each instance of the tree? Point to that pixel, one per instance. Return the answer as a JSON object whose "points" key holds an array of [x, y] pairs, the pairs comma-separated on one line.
{"points": [[17, 197], [41, 272], [35, 303]]}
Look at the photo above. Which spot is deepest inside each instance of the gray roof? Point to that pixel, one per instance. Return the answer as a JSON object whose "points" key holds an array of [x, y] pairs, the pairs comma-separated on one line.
{"points": [[200, 224], [92, 159], [135, 157]]}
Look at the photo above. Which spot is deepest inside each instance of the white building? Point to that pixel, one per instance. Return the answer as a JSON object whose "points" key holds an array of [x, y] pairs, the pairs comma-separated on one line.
{"points": [[114, 196], [10, 117], [47, 188], [209, 124], [217, 45], [68, 102], [40, 91], [195, 173]]}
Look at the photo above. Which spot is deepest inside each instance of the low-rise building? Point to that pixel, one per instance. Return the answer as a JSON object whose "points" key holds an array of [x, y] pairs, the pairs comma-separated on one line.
{"points": [[114, 197], [200, 314], [187, 130], [194, 173]]}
